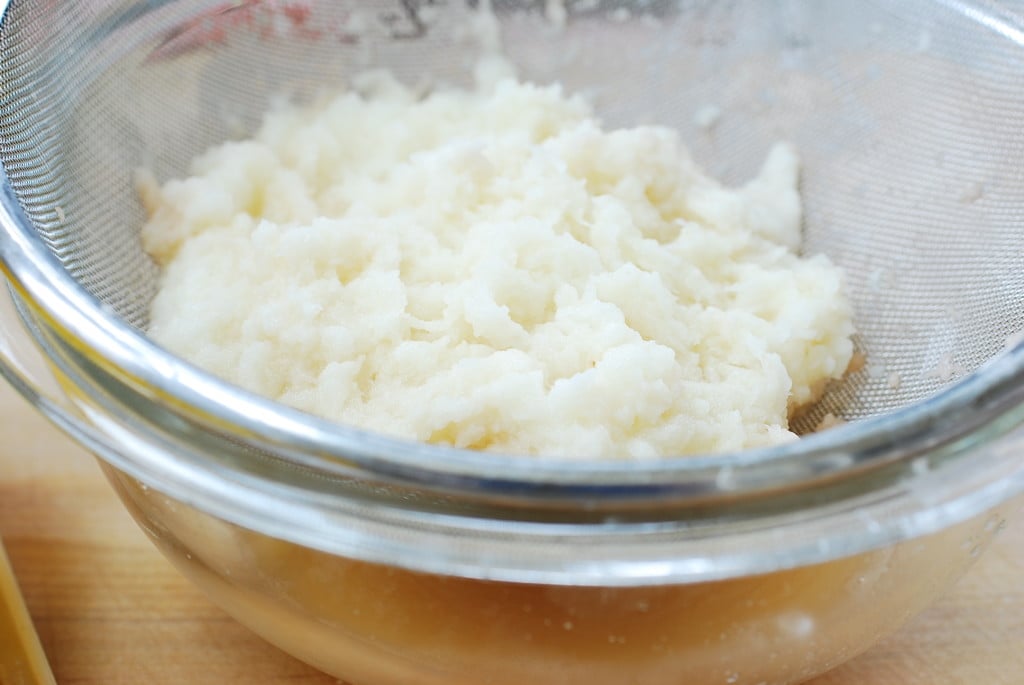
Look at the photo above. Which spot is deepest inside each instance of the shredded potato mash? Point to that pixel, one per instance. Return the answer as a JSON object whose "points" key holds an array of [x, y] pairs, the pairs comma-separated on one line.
{"points": [[491, 269]]}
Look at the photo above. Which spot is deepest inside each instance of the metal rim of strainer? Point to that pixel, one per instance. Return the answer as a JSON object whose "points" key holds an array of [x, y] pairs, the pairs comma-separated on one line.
{"points": [[979, 399]]}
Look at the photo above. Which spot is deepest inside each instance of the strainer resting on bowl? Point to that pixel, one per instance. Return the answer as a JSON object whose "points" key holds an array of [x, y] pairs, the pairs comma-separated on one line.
{"points": [[383, 561]]}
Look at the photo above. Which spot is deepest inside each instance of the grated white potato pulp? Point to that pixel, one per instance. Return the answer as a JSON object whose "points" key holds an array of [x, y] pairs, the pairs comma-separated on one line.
{"points": [[490, 269]]}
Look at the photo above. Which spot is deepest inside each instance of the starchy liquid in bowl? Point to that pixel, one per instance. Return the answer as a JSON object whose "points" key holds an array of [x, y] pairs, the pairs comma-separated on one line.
{"points": [[372, 624], [490, 269]]}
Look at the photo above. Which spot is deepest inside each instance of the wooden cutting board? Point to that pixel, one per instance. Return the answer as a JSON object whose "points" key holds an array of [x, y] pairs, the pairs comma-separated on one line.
{"points": [[110, 610]]}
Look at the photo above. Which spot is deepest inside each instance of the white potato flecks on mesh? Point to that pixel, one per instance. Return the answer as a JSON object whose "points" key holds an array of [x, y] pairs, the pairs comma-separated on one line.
{"points": [[490, 269]]}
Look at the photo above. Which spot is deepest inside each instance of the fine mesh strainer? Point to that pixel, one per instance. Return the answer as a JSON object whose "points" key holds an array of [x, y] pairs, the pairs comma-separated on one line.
{"points": [[906, 115]]}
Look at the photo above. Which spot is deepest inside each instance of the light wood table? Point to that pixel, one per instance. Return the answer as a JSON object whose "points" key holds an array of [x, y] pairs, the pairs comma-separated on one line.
{"points": [[110, 610]]}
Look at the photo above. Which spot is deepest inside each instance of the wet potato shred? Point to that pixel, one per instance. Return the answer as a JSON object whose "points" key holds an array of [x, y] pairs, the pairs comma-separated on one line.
{"points": [[491, 269]]}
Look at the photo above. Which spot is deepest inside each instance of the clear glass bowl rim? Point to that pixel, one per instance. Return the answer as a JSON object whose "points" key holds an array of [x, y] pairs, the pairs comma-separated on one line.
{"points": [[976, 400]]}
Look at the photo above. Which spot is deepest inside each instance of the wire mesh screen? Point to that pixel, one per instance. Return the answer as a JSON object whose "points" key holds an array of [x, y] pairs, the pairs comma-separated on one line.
{"points": [[907, 116]]}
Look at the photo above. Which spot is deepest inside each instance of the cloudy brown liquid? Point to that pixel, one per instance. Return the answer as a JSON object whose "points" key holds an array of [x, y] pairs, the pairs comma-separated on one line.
{"points": [[375, 625]]}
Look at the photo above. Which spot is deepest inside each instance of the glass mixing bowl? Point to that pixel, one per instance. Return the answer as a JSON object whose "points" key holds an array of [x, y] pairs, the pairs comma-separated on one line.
{"points": [[386, 562]]}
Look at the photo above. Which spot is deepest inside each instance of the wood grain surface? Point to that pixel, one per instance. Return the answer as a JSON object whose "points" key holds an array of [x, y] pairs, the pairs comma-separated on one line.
{"points": [[110, 610]]}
